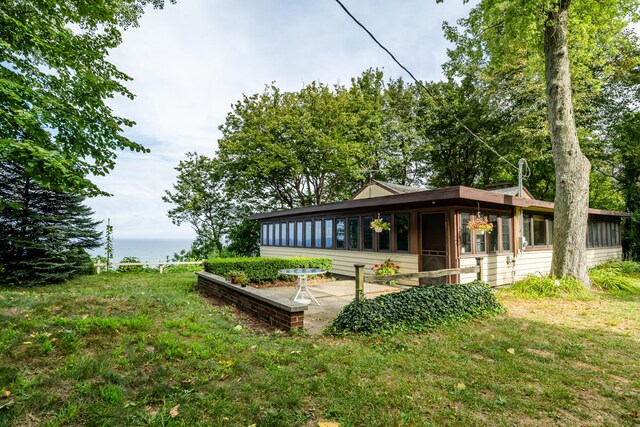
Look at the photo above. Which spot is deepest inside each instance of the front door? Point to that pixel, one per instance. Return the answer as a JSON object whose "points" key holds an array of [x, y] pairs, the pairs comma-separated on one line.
{"points": [[434, 246]]}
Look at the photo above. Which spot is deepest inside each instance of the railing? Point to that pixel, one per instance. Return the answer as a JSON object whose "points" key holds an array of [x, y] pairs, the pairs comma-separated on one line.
{"points": [[160, 264], [361, 277]]}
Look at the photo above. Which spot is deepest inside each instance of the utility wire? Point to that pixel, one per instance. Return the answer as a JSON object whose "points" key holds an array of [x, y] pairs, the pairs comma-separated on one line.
{"points": [[423, 87]]}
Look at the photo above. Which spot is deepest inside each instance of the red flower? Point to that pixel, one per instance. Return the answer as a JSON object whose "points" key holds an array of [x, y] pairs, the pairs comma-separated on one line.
{"points": [[392, 264], [397, 268], [375, 265]]}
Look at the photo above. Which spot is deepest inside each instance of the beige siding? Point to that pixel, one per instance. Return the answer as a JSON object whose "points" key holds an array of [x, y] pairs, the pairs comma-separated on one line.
{"points": [[495, 269], [597, 256], [533, 262], [343, 261]]}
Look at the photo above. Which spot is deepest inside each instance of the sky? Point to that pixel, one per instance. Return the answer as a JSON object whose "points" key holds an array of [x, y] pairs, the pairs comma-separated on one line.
{"points": [[191, 61]]}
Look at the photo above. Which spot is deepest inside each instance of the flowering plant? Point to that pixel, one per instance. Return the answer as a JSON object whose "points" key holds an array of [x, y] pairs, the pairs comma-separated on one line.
{"points": [[387, 268], [479, 224], [378, 225]]}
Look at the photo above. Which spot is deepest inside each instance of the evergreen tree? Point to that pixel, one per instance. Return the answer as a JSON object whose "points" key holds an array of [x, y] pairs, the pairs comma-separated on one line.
{"points": [[43, 233]]}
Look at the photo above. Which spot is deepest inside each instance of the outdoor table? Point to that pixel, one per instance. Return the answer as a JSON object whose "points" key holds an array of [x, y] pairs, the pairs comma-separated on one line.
{"points": [[303, 274]]}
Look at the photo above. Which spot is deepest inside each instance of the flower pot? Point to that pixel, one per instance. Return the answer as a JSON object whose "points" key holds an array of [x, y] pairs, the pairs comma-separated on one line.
{"points": [[378, 229], [480, 232]]}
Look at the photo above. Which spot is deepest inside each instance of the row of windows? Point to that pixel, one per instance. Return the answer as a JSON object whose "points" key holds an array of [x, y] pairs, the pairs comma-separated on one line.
{"points": [[601, 234], [353, 233], [499, 240]]}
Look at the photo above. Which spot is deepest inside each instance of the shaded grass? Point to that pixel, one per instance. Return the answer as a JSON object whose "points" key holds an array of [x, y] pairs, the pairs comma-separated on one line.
{"points": [[124, 349]]}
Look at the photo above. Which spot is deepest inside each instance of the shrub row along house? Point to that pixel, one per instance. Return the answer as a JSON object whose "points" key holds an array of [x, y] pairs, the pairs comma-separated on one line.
{"points": [[428, 231]]}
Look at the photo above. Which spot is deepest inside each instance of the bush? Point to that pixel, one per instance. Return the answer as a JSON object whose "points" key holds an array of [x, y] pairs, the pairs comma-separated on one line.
{"points": [[260, 269], [417, 309], [130, 268], [620, 267], [549, 287], [619, 277]]}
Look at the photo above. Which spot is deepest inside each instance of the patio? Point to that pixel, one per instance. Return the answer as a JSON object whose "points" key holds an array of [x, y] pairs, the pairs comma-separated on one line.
{"points": [[332, 296]]}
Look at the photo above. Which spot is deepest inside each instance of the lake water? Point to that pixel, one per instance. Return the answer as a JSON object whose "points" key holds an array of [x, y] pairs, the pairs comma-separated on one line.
{"points": [[145, 249]]}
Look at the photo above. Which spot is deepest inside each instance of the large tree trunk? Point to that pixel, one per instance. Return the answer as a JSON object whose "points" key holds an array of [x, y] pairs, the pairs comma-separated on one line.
{"points": [[572, 167]]}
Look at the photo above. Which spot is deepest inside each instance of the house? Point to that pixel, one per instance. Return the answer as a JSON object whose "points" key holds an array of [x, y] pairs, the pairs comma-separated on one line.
{"points": [[428, 231]]}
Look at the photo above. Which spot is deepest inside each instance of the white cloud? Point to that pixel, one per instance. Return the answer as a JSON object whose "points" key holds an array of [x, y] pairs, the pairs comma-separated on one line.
{"points": [[191, 61]]}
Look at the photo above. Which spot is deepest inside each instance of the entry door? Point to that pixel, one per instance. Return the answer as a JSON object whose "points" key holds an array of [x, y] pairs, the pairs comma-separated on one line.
{"points": [[434, 246]]}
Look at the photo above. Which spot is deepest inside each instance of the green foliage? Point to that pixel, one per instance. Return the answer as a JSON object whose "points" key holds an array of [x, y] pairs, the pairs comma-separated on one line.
{"points": [[245, 238], [200, 201], [108, 243], [54, 83], [417, 309], [387, 268], [130, 268], [43, 233], [260, 269], [549, 287], [238, 277], [617, 277]]}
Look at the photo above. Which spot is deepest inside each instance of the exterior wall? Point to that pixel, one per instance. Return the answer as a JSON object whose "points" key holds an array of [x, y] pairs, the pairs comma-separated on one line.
{"points": [[343, 260], [497, 271]]}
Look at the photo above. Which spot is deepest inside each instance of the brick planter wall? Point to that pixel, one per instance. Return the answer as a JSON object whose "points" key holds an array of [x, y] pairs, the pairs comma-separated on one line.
{"points": [[273, 309]]}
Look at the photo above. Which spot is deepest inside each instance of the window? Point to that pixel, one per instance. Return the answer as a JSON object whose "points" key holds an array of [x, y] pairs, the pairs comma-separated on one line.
{"points": [[265, 234], [384, 237], [494, 236], [276, 236], [299, 235], [354, 236], [270, 234], [317, 237], [328, 233], [506, 232], [603, 234], [538, 230], [402, 232], [367, 233], [283, 234], [307, 234], [341, 229], [465, 234], [481, 242], [291, 234]]}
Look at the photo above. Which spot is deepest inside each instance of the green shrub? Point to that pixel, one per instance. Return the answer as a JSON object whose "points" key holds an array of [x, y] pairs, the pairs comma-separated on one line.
{"points": [[417, 309], [260, 269], [621, 267], [130, 268], [610, 280], [549, 287]]}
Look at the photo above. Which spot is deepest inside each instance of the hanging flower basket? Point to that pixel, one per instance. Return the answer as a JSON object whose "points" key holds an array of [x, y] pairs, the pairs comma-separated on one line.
{"points": [[379, 225], [479, 225]]}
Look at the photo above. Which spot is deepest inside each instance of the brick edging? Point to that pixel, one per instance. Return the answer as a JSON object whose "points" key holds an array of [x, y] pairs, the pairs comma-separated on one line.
{"points": [[275, 310]]}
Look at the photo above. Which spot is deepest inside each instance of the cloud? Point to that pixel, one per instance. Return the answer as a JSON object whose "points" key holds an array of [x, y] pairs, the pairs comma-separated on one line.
{"points": [[192, 60]]}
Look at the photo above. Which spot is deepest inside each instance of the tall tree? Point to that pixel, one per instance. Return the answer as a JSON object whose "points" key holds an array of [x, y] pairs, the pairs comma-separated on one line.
{"points": [[557, 40], [43, 233], [54, 80], [200, 200]]}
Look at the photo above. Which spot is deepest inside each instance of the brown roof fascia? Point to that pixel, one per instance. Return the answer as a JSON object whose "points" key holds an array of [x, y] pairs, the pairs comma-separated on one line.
{"points": [[447, 193]]}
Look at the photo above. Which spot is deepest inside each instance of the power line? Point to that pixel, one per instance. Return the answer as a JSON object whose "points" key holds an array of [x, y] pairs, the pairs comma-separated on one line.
{"points": [[423, 87]]}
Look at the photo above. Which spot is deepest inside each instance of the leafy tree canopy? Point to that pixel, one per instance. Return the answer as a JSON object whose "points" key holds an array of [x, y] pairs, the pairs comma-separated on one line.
{"points": [[54, 83]]}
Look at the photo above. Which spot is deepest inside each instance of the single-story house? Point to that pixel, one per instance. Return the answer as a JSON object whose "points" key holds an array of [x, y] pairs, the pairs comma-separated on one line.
{"points": [[428, 231]]}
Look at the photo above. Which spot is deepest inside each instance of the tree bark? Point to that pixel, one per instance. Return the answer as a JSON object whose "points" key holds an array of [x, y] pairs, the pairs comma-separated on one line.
{"points": [[571, 166]]}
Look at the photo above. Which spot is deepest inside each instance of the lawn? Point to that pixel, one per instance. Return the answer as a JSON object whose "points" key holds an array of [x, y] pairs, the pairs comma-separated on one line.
{"points": [[145, 349]]}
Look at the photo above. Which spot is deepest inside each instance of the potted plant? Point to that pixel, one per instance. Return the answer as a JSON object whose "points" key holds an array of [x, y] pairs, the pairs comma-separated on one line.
{"points": [[238, 278], [387, 268], [378, 225], [479, 225]]}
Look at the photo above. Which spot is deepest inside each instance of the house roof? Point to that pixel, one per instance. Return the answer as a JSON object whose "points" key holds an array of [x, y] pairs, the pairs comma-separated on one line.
{"points": [[388, 186], [432, 198], [512, 191]]}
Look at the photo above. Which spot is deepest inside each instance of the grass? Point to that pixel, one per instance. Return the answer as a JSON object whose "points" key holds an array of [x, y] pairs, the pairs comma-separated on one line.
{"points": [[126, 349]]}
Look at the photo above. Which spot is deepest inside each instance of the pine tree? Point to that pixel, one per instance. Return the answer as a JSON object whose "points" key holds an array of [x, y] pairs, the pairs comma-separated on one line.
{"points": [[43, 233]]}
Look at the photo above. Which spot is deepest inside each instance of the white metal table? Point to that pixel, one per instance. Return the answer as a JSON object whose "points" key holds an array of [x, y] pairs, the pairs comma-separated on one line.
{"points": [[303, 285]]}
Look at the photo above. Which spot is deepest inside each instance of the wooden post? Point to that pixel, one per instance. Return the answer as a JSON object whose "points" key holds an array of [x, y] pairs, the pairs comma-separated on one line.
{"points": [[161, 266], [479, 264], [359, 282]]}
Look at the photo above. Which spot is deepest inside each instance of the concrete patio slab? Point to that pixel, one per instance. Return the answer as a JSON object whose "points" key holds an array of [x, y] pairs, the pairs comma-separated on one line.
{"points": [[332, 296]]}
